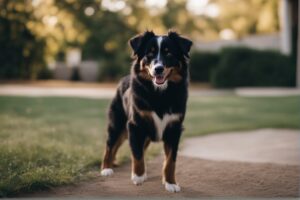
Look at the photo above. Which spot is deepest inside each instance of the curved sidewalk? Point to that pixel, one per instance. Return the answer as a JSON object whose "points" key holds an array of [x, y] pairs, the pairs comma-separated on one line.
{"points": [[99, 91], [278, 146]]}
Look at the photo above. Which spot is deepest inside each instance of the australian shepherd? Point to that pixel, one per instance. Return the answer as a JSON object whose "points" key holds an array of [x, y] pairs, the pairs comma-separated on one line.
{"points": [[150, 104]]}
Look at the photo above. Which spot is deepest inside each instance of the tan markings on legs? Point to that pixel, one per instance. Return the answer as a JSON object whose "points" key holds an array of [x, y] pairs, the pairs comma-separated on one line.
{"points": [[169, 166], [110, 153], [138, 166], [107, 159], [120, 141]]}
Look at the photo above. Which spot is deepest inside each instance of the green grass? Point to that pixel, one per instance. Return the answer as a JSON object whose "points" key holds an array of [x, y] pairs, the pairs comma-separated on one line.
{"points": [[228, 113], [46, 142]]}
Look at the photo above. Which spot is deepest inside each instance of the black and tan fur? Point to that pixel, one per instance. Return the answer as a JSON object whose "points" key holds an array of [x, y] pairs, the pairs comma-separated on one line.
{"points": [[142, 95]]}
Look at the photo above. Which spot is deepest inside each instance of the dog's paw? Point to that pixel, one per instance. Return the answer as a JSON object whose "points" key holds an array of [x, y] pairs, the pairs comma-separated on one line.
{"points": [[138, 180], [172, 187], [107, 172]]}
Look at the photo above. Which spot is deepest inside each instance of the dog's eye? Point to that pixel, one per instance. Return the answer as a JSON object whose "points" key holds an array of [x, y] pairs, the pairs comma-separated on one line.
{"points": [[167, 52]]}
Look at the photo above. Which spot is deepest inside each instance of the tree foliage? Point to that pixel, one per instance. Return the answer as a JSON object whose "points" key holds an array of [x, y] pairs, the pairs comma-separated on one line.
{"points": [[32, 33], [36, 32]]}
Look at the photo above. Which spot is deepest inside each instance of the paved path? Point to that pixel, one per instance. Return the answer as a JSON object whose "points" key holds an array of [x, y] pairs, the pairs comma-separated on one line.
{"points": [[84, 92], [197, 178], [220, 175], [267, 92], [107, 91], [259, 146], [34, 91]]}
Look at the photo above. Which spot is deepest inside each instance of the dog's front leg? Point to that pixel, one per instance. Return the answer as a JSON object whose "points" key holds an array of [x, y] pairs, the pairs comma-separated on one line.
{"points": [[171, 141], [137, 143]]}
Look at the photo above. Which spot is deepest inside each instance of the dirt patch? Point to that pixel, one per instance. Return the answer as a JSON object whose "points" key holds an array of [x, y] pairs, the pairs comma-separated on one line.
{"points": [[197, 177]]}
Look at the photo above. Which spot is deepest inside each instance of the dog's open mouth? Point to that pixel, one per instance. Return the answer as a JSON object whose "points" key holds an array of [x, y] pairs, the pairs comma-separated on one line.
{"points": [[159, 79]]}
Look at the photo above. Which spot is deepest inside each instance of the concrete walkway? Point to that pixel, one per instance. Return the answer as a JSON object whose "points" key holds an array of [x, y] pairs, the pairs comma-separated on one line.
{"points": [[97, 92], [34, 91], [84, 92], [278, 146], [196, 177], [267, 92]]}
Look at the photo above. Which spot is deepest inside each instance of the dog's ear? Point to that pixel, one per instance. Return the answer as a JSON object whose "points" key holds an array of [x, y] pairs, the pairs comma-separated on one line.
{"points": [[183, 43], [138, 42]]}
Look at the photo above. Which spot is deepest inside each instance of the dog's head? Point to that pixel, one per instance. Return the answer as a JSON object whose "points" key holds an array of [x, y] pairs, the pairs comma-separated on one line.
{"points": [[161, 58]]}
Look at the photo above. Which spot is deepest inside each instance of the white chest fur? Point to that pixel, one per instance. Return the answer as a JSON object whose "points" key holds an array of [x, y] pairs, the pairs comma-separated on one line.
{"points": [[161, 124]]}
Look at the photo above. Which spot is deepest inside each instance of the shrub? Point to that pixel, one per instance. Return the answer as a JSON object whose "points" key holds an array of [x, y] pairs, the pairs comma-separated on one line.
{"points": [[248, 67], [75, 74], [21, 52], [201, 65], [45, 74], [114, 69]]}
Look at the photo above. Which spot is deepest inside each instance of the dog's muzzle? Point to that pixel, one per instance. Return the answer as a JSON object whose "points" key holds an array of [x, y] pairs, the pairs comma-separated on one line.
{"points": [[159, 77]]}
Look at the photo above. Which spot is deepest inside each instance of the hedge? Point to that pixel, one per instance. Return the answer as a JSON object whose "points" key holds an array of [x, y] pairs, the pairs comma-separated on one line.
{"points": [[201, 65], [240, 66]]}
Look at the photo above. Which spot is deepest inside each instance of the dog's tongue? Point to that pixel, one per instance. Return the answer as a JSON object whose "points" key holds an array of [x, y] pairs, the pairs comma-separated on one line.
{"points": [[159, 79]]}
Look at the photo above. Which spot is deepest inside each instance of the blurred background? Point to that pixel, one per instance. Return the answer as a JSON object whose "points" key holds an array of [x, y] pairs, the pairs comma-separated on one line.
{"points": [[60, 61], [236, 42]]}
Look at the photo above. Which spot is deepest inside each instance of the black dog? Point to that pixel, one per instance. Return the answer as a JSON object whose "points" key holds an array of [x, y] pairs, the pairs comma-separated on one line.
{"points": [[150, 104]]}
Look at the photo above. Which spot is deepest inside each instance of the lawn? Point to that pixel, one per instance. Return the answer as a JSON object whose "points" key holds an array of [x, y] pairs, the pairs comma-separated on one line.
{"points": [[46, 142], [228, 113]]}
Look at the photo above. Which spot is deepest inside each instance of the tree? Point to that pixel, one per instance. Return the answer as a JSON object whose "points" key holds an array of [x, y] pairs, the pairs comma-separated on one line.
{"points": [[36, 32], [32, 33]]}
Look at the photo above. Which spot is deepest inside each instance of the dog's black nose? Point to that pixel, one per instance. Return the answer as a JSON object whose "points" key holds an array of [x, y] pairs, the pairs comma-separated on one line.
{"points": [[159, 69]]}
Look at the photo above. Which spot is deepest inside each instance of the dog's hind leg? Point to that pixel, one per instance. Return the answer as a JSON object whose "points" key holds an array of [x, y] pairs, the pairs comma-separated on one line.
{"points": [[116, 135], [110, 154]]}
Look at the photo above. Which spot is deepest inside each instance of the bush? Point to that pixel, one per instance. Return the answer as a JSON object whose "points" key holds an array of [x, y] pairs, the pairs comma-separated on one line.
{"points": [[202, 64], [247, 67], [45, 74], [115, 68], [21, 52], [75, 74]]}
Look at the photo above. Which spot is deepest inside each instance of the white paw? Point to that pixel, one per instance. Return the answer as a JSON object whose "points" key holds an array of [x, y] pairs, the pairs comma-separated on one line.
{"points": [[107, 172], [138, 180], [172, 187]]}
